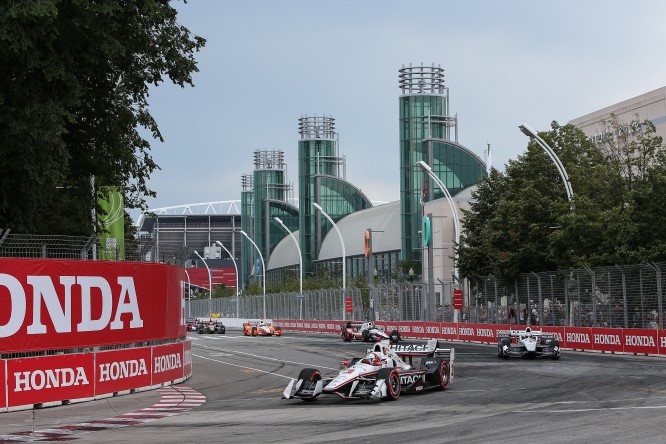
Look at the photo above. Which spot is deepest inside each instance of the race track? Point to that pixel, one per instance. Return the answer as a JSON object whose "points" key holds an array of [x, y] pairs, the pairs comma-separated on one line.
{"points": [[582, 397]]}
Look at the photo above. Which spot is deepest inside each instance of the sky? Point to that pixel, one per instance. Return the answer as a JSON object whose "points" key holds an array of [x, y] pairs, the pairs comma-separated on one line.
{"points": [[268, 62]]}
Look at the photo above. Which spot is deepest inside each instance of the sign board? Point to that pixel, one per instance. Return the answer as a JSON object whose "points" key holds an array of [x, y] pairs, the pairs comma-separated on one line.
{"points": [[457, 299], [348, 305]]}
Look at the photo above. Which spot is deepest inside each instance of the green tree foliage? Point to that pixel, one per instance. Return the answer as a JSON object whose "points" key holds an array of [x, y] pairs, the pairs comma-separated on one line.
{"points": [[522, 221], [74, 83]]}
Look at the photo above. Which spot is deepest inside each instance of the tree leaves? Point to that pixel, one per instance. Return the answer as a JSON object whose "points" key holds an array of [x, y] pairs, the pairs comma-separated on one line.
{"points": [[521, 220], [74, 79]]}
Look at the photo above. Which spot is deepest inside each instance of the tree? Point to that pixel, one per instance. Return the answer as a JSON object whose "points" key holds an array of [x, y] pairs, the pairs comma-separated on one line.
{"points": [[521, 221], [74, 83]]}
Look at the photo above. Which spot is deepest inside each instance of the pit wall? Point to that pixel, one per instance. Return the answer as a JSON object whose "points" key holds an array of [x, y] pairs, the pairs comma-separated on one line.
{"points": [[74, 331], [606, 340]]}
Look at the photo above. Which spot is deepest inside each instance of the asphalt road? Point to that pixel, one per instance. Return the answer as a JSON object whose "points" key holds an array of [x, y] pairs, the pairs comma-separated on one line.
{"points": [[582, 397]]}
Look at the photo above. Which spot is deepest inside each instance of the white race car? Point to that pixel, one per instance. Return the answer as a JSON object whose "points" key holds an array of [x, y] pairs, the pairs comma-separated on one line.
{"points": [[527, 343], [385, 372]]}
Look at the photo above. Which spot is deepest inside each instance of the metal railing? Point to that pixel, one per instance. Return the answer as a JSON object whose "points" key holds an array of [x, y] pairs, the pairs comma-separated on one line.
{"points": [[74, 247], [629, 296]]}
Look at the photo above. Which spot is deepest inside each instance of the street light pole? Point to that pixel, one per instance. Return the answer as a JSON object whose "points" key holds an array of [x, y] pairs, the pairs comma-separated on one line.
{"points": [[300, 264], [210, 285], [236, 267], [529, 132], [456, 220], [263, 266], [344, 267]]}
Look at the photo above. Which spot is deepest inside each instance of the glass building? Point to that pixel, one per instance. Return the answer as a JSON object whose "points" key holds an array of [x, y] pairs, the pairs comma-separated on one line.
{"points": [[320, 180], [425, 135]]}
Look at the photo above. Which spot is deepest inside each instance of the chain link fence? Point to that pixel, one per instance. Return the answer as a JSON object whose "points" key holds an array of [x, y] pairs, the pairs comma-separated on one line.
{"points": [[629, 296], [74, 247]]}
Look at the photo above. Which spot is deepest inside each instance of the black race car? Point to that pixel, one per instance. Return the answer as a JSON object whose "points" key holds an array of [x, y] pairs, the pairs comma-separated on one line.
{"points": [[212, 326]]}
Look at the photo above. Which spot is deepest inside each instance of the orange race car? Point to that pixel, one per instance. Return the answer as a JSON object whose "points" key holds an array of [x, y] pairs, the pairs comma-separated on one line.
{"points": [[261, 329]]}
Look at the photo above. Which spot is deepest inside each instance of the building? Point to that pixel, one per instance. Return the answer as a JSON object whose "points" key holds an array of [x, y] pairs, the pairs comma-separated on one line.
{"points": [[649, 106]]}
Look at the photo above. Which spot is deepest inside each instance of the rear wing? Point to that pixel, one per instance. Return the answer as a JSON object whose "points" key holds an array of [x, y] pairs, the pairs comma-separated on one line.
{"points": [[429, 348], [519, 333]]}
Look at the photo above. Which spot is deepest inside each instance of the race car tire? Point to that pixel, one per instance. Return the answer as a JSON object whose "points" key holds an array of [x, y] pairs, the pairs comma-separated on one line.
{"points": [[500, 348], [221, 331], [254, 331], [556, 343], [365, 336], [309, 376], [278, 332], [444, 373], [392, 379], [395, 336], [345, 336]]}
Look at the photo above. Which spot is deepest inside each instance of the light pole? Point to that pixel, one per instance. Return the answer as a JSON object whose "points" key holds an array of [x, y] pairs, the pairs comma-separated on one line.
{"points": [[300, 264], [456, 220], [210, 285], [344, 268], [263, 267], [529, 132], [236, 267], [189, 294]]}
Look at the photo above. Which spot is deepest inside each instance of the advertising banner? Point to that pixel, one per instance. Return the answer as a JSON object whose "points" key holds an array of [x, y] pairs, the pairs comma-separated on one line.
{"points": [[167, 362], [607, 339], [187, 358], [640, 341], [50, 378], [578, 338], [118, 370], [449, 331], [59, 304]]}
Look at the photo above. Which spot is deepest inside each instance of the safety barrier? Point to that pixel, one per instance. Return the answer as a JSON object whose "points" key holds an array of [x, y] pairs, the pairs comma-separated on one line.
{"points": [[73, 331], [606, 340]]}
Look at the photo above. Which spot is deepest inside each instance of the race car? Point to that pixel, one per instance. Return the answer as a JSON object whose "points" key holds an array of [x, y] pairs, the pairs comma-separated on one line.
{"points": [[384, 373], [191, 324], [212, 326], [366, 332], [527, 343], [261, 329]]}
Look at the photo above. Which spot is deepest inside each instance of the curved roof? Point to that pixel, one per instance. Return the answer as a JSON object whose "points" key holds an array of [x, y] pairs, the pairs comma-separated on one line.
{"points": [[384, 221], [284, 254]]}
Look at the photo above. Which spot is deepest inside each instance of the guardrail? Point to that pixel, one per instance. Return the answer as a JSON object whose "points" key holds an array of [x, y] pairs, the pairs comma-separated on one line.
{"points": [[606, 340], [81, 330]]}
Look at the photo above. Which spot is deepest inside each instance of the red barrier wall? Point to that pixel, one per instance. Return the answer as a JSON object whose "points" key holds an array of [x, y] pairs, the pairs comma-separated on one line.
{"points": [[61, 305], [610, 340]]}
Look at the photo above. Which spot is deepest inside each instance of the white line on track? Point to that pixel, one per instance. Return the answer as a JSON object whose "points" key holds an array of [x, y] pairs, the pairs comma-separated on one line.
{"points": [[242, 366], [260, 357], [600, 409]]}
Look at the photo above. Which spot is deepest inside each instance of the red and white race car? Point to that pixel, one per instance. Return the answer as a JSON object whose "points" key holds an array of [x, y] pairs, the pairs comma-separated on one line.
{"points": [[366, 332], [384, 373]]}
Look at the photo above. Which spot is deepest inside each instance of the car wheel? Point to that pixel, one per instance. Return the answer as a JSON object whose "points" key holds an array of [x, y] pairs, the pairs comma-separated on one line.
{"points": [[309, 376], [395, 336], [444, 373], [392, 380], [365, 336], [254, 331]]}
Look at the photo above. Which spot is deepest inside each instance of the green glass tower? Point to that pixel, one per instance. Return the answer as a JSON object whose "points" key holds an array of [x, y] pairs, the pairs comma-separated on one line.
{"points": [[425, 134], [321, 179], [247, 224]]}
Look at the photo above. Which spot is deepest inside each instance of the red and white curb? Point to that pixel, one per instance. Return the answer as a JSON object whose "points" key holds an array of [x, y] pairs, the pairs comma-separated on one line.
{"points": [[173, 401]]}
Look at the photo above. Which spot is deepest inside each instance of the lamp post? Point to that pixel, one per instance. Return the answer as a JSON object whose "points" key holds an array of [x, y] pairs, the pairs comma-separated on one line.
{"points": [[300, 264], [344, 267], [210, 285], [263, 266], [189, 294], [236, 267], [456, 220], [529, 132]]}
